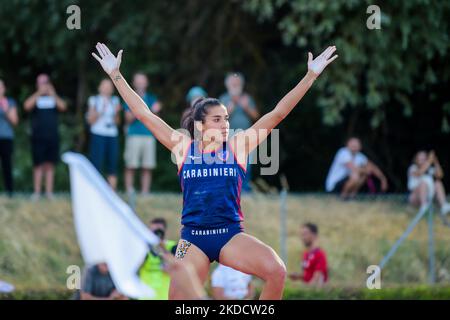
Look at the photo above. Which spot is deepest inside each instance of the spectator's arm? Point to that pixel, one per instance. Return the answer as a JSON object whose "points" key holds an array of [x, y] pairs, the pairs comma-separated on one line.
{"points": [[30, 102], [351, 166], [424, 168], [129, 117], [249, 107], [375, 170], [317, 280], [295, 276], [12, 116], [117, 109], [61, 105], [439, 173], [156, 107], [92, 114]]}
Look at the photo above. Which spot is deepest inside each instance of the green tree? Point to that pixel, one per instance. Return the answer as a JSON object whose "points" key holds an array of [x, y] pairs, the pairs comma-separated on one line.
{"points": [[376, 68]]}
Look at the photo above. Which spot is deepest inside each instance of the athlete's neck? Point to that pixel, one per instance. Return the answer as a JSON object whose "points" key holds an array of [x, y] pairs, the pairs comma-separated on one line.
{"points": [[207, 146]]}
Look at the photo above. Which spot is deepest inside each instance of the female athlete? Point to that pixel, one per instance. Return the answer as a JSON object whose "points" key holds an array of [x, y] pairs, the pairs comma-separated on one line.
{"points": [[211, 168]]}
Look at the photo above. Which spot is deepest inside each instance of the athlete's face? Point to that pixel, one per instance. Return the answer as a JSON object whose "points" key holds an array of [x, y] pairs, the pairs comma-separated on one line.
{"points": [[307, 236], [216, 126]]}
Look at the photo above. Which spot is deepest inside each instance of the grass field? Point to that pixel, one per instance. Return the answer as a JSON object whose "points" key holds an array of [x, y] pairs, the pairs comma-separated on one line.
{"points": [[38, 242]]}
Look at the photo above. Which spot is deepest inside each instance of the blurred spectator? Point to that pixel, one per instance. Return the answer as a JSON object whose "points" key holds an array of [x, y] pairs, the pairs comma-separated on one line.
{"points": [[314, 265], [425, 181], [6, 287], [152, 271], [194, 93], [140, 145], [44, 105], [98, 285], [104, 116], [242, 111], [351, 170], [230, 284], [8, 119]]}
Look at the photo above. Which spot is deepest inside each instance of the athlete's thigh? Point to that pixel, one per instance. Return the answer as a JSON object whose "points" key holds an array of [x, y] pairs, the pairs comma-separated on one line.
{"points": [[249, 255], [187, 252]]}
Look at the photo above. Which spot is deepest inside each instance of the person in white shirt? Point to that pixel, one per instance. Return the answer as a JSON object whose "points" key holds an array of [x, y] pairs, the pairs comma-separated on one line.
{"points": [[350, 170], [425, 181], [230, 284], [103, 116]]}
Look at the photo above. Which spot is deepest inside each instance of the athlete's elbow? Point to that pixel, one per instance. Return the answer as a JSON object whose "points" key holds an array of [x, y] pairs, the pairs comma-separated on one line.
{"points": [[278, 116], [140, 115]]}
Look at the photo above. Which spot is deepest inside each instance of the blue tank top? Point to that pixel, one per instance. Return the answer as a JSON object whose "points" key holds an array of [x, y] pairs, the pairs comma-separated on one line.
{"points": [[211, 183]]}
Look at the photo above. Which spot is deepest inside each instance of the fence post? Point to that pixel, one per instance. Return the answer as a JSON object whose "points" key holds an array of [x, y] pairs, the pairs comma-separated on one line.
{"points": [[283, 219], [431, 253]]}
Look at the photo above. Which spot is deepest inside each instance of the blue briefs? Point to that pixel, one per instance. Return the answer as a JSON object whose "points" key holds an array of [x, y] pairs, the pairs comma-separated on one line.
{"points": [[211, 240]]}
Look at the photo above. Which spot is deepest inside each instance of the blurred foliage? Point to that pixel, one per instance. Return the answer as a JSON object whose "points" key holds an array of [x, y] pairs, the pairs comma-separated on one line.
{"points": [[393, 293], [388, 86], [390, 293], [377, 67]]}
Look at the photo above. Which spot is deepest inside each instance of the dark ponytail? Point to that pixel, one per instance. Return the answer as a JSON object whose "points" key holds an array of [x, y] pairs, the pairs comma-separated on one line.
{"points": [[197, 112]]}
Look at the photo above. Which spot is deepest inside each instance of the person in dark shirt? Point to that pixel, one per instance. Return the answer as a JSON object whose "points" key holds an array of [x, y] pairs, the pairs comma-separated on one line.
{"points": [[8, 120], [44, 106], [98, 285]]}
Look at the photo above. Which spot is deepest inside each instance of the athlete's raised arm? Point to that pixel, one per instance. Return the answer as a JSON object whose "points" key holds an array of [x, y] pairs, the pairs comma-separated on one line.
{"points": [[169, 137], [249, 139]]}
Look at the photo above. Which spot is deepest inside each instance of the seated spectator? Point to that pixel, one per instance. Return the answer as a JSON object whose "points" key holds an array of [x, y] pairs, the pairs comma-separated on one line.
{"points": [[351, 170], [8, 119], [6, 287], [152, 271], [103, 116], [98, 285], [314, 265], [425, 181], [44, 106], [230, 284]]}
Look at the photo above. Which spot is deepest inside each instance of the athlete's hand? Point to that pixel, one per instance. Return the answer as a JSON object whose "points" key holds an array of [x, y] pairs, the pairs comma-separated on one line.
{"points": [[320, 62], [108, 61]]}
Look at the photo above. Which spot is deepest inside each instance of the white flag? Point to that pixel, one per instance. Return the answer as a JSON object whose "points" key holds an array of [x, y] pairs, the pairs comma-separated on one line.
{"points": [[107, 229]]}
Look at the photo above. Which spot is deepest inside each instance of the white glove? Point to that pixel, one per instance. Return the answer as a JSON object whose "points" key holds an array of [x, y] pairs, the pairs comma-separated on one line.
{"points": [[319, 63], [108, 61]]}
